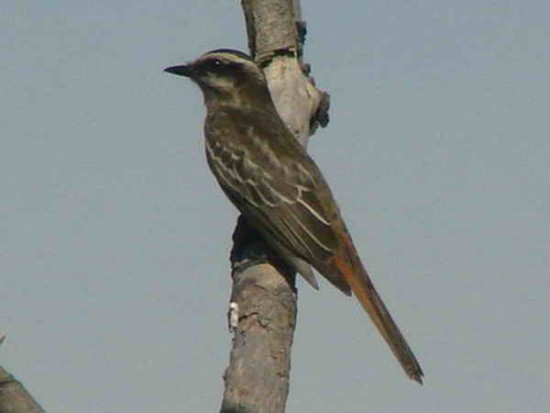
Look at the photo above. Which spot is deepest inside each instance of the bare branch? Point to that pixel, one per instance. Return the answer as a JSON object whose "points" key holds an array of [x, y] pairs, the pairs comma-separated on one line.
{"points": [[14, 398], [263, 292]]}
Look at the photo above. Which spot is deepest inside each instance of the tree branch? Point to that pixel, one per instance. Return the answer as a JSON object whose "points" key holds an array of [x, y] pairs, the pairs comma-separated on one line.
{"points": [[263, 297], [14, 398]]}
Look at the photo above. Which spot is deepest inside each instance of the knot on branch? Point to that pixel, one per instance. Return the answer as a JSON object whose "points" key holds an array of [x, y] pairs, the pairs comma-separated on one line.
{"points": [[321, 116]]}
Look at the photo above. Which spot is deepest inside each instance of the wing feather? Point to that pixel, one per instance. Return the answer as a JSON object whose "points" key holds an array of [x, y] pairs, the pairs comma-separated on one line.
{"points": [[278, 192]]}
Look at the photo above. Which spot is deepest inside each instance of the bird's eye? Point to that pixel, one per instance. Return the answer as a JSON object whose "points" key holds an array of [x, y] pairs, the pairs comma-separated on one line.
{"points": [[214, 65]]}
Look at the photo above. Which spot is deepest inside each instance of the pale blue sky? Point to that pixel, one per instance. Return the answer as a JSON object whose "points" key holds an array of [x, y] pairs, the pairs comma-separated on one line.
{"points": [[114, 237]]}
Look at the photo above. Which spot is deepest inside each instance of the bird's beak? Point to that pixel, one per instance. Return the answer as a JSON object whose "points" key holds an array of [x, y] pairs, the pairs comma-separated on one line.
{"points": [[182, 70]]}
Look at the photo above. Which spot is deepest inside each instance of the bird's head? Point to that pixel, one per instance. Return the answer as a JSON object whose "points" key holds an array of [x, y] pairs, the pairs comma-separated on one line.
{"points": [[226, 77]]}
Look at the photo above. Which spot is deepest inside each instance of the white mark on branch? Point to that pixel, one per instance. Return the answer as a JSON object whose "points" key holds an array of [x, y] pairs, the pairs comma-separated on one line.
{"points": [[233, 317]]}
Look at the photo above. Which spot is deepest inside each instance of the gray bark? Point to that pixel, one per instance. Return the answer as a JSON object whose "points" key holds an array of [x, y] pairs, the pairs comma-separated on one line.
{"points": [[257, 379], [14, 398]]}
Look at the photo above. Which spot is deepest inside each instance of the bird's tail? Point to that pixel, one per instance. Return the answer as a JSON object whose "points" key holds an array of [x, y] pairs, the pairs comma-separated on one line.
{"points": [[349, 265]]}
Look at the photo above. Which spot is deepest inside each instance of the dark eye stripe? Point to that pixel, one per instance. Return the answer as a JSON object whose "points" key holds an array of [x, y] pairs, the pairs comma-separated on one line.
{"points": [[216, 65], [213, 65]]}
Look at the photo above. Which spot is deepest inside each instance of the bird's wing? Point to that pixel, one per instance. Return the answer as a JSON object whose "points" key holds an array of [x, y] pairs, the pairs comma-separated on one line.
{"points": [[289, 209], [277, 190]]}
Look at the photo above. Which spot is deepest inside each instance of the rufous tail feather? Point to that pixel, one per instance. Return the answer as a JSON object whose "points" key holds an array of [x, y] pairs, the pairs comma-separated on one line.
{"points": [[351, 267]]}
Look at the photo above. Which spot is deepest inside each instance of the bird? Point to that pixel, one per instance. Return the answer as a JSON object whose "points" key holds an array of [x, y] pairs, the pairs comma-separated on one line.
{"points": [[278, 188]]}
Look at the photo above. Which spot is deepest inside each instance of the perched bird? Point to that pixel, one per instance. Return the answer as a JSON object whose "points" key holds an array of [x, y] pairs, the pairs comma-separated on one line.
{"points": [[278, 188]]}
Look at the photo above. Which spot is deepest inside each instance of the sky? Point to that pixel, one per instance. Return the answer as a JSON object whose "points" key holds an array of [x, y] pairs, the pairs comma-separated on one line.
{"points": [[114, 237]]}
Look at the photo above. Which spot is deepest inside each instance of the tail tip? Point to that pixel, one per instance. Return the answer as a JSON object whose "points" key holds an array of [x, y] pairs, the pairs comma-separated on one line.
{"points": [[417, 375]]}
